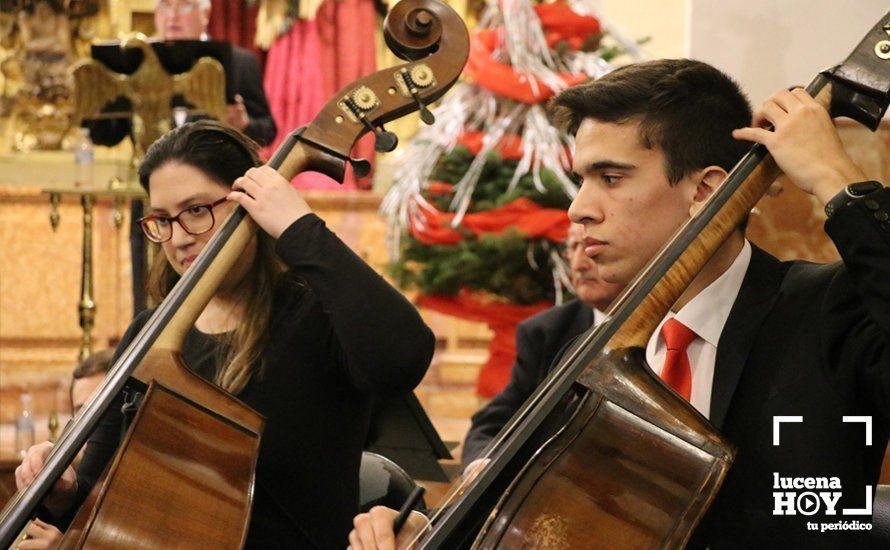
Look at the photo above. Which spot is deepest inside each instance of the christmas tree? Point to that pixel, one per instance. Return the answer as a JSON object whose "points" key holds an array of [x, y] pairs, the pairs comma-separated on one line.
{"points": [[477, 212]]}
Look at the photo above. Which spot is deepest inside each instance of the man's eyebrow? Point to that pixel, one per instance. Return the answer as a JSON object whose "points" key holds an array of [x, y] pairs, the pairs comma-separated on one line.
{"points": [[601, 165]]}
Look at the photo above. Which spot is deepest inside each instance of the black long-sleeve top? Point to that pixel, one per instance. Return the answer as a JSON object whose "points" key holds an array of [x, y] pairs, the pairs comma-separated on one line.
{"points": [[339, 334]]}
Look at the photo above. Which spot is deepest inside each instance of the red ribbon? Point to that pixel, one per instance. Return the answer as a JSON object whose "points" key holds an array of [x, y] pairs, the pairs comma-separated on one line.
{"points": [[509, 147], [500, 78], [560, 23], [526, 216]]}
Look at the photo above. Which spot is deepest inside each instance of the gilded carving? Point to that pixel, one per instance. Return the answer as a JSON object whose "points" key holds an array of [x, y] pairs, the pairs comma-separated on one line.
{"points": [[41, 39]]}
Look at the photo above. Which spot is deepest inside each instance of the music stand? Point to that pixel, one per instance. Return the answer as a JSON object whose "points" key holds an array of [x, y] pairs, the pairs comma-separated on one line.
{"points": [[402, 432]]}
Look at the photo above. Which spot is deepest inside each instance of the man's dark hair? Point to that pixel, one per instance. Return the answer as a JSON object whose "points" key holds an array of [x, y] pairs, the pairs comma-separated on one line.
{"points": [[686, 108], [96, 363]]}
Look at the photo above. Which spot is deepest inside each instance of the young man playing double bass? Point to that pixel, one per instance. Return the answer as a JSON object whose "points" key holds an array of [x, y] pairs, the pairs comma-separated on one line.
{"points": [[752, 338]]}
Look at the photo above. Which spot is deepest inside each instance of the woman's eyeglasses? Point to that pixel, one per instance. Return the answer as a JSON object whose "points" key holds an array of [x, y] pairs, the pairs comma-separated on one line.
{"points": [[194, 220]]}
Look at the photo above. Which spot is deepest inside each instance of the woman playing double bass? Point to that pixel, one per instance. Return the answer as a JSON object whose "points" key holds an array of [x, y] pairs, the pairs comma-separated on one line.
{"points": [[301, 329]]}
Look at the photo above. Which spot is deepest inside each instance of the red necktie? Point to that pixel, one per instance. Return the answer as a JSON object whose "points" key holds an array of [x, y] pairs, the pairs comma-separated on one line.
{"points": [[677, 371]]}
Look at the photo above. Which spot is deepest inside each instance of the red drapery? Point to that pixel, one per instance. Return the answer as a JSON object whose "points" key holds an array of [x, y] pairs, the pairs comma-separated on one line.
{"points": [[313, 60], [234, 22]]}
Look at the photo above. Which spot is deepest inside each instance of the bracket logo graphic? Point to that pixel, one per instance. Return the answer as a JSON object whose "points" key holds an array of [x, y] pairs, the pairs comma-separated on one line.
{"points": [[810, 495]]}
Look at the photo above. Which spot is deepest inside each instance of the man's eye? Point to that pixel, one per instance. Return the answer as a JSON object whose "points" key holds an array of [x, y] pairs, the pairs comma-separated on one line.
{"points": [[610, 180], [576, 179]]}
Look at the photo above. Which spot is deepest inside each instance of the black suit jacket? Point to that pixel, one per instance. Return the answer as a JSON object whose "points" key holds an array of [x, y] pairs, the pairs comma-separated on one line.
{"points": [[806, 340], [813, 341], [539, 340], [249, 84]]}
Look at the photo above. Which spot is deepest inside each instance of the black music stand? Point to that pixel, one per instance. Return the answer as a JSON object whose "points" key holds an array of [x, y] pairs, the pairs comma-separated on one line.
{"points": [[402, 432]]}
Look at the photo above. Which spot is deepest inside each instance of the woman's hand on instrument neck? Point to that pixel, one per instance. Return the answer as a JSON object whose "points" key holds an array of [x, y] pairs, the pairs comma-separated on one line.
{"points": [[271, 200], [62, 495]]}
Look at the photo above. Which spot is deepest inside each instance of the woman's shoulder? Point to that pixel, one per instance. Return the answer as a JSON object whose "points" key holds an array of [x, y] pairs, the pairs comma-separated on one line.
{"points": [[291, 285], [136, 325], [290, 291]]}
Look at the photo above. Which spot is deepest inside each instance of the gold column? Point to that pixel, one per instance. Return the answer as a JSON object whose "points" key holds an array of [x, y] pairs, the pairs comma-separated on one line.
{"points": [[86, 306]]}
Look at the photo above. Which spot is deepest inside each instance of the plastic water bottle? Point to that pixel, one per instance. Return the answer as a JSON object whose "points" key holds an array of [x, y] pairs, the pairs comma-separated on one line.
{"points": [[24, 427], [180, 116], [83, 159]]}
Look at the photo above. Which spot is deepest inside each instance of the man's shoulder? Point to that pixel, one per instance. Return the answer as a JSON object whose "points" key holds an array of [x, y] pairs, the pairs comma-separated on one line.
{"points": [[243, 56], [556, 316], [793, 274], [795, 285], [809, 270], [808, 276]]}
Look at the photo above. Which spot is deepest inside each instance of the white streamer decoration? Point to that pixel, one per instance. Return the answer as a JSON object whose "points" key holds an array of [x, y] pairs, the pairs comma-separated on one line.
{"points": [[468, 107]]}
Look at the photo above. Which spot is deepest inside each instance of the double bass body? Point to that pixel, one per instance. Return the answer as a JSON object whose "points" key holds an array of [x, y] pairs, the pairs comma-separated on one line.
{"points": [[633, 461], [194, 451]]}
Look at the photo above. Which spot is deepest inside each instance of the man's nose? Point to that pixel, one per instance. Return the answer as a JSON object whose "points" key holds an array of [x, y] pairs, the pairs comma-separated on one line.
{"points": [[585, 208], [578, 261]]}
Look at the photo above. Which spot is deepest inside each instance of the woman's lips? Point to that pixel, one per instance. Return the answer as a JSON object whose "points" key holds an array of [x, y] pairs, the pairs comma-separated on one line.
{"points": [[188, 261]]}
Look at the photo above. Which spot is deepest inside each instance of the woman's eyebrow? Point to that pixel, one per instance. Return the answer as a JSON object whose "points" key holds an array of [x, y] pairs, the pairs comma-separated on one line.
{"points": [[185, 203]]}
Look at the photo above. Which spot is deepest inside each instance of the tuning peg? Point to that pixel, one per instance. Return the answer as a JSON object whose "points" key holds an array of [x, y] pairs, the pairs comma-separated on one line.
{"points": [[360, 102], [360, 167], [411, 81], [384, 140], [425, 114]]}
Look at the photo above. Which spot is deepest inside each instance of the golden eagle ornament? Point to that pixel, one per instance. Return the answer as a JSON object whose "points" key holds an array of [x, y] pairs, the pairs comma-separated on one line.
{"points": [[150, 90]]}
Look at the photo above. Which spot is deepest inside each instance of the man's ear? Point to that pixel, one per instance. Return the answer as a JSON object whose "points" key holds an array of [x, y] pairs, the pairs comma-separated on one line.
{"points": [[707, 182]]}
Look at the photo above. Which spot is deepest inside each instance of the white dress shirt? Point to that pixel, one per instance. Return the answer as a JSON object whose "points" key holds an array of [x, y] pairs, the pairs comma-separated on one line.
{"points": [[598, 317], [706, 315]]}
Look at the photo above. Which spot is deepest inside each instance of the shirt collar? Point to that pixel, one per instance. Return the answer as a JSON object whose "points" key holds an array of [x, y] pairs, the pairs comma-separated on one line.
{"points": [[707, 312], [598, 316]]}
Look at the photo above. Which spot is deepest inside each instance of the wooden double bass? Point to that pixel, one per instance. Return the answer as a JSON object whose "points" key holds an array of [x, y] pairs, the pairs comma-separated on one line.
{"points": [[183, 476], [634, 465]]}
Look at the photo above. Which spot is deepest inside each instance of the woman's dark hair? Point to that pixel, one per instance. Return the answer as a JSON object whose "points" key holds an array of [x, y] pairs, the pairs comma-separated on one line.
{"points": [[224, 155], [221, 152], [686, 108]]}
